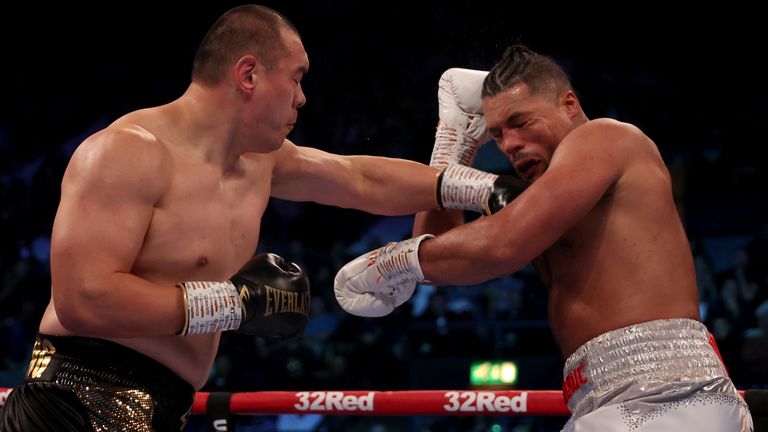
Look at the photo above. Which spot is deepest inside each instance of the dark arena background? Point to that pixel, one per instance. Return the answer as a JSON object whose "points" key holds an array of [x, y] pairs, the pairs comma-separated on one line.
{"points": [[694, 85]]}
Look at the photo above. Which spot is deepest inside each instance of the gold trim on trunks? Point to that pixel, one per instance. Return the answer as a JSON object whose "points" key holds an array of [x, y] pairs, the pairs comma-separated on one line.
{"points": [[42, 353]]}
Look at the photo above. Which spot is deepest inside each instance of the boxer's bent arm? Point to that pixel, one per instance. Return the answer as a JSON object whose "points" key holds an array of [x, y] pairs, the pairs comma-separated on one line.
{"points": [[379, 185], [108, 194], [436, 221], [507, 241]]}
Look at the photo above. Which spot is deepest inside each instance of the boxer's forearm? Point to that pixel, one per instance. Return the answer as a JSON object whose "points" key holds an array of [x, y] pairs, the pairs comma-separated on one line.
{"points": [[437, 221], [374, 184], [118, 305], [390, 186], [470, 254]]}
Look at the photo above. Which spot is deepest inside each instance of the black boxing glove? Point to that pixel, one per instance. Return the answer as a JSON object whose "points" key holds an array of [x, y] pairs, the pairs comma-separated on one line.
{"points": [[465, 188], [505, 189], [268, 297]]}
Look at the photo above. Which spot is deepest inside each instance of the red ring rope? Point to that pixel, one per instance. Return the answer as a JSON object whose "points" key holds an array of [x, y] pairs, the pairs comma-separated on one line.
{"points": [[390, 403]]}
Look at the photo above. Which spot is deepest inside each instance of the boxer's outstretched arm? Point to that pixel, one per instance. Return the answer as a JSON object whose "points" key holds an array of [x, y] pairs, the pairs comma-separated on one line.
{"points": [[379, 185], [109, 190]]}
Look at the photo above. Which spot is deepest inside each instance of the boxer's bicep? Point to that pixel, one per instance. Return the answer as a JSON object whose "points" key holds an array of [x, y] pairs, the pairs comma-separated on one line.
{"points": [[107, 200], [310, 174]]}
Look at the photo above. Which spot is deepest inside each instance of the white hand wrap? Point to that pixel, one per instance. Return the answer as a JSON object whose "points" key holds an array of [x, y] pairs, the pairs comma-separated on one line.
{"points": [[210, 307], [465, 188], [375, 283], [461, 130]]}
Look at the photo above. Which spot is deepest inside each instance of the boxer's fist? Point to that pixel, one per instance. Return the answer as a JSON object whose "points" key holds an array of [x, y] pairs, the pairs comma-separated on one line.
{"points": [[267, 297], [375, 283], [465, 188], [461, 129], [274, 296], [505, 189]]}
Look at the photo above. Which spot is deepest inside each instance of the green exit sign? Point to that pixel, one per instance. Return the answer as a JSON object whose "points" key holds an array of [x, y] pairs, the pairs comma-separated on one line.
{"points": [[494, 372]]}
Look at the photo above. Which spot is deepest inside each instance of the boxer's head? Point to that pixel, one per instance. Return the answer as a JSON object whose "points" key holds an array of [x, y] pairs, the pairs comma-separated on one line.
{"points": [[243, 30], [257, 57], [530, 107]]}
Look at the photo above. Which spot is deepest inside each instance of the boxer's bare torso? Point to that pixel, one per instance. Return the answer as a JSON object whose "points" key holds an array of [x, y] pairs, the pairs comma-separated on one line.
{"points": [[627, 261], [204, 226], [598, 221]]}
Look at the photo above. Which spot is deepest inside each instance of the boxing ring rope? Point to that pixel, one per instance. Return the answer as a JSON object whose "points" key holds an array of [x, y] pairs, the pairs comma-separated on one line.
{"points": [[394, 403], [401, 403]]}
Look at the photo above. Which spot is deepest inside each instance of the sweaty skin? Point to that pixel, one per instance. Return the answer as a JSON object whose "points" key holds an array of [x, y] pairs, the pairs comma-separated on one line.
{"points": [[176, 193], [598, 221]]}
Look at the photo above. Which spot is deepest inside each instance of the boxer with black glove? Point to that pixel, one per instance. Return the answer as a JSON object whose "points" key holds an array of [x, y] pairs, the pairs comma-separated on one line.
{"points": [[268, 297]]}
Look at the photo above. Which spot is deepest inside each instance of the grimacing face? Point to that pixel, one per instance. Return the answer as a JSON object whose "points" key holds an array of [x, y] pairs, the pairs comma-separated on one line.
{"points": [[527, 128]]}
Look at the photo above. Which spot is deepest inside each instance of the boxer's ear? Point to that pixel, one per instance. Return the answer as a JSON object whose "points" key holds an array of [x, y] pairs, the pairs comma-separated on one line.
{"points": [[247, 71]]}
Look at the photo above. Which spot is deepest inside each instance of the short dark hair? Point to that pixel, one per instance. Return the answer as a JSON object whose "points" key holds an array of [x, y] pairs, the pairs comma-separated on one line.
{"points": [[247, 29], [520, 64]]}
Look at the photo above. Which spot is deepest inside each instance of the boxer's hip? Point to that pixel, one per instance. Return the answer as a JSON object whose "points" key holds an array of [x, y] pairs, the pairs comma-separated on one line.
{"points": [[109, 385], [646, 366]]}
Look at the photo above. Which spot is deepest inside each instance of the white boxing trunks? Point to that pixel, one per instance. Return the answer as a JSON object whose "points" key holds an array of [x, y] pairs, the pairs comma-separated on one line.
{"points": [[662, 375]]}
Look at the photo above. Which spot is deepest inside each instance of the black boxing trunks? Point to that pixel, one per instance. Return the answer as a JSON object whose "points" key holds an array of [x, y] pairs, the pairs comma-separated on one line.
{"points": [[662, 375], [86, 384]]}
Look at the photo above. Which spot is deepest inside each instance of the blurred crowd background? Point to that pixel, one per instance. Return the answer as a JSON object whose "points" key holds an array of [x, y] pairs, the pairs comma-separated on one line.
{"points": [[699, 93]]}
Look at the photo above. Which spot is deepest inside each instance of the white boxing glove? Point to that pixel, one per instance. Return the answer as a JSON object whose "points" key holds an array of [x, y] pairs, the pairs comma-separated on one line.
{"points": [[461, 129], [375, 283]]}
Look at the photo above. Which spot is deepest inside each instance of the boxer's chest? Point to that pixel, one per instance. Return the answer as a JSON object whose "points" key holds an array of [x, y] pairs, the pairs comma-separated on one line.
{"points": [[206, 227]]}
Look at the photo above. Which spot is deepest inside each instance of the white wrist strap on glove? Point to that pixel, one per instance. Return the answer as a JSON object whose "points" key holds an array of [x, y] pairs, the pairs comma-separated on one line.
{"points": [[210, 307], [375, 283], [461, 129], [462, 187], [457, 145], [398, 264]]}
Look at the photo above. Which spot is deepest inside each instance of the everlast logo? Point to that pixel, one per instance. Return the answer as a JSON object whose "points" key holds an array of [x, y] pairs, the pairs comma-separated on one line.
{"points": [[245, 297], [279, 301]]}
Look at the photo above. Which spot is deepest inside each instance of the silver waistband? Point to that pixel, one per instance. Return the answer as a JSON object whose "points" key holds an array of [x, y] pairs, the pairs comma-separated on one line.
{"points": [[664, 356]]}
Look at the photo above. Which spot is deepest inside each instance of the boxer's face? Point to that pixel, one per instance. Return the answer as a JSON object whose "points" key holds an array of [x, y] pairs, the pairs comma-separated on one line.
{"points": [[527, 128], [281, 95]]}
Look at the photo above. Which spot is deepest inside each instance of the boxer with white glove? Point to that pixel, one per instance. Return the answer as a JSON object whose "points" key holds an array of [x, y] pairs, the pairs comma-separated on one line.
{"points": [[461, 131], [375, 283]]}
